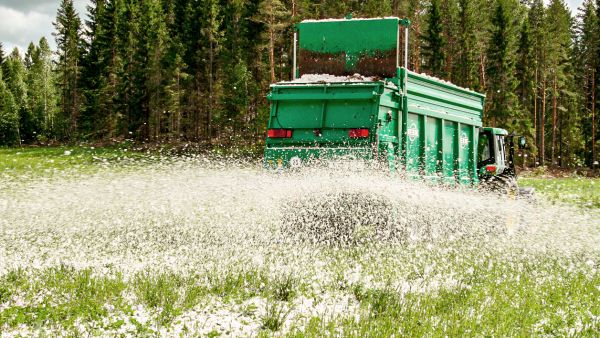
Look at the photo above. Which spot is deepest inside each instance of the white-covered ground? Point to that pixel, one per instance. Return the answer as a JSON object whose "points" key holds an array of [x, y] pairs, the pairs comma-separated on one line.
{"points": [[207, 218]]}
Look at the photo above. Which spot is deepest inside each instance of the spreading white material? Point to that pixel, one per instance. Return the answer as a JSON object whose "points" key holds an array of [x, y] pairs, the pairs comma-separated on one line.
{"points": [[321, 78], [444, 81], [328, 78], [344, 19]]}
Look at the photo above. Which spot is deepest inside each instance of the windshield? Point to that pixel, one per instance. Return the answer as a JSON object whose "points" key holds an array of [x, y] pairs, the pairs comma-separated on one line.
{"points": [[484, 148]]}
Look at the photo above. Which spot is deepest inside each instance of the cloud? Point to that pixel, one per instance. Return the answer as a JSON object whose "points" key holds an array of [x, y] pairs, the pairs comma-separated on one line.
{"points": [[19, 28], [22, 22]]}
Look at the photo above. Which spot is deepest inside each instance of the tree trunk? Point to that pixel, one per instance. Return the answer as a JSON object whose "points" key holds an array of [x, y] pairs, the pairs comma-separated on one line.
{"points": [[417, 52], [554, 118], [272, 52], [542, 149], [535, 112], [593, 117], [210, 91], [482, 71]]}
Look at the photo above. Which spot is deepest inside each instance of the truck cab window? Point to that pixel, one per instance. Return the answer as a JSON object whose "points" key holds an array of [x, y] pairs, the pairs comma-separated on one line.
{"points": [[484, 147], [500, 147]]}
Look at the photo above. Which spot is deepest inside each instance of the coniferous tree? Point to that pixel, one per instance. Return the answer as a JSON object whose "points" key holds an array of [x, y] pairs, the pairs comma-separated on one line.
{"points": [[68, 41], [503, 104], [273, 14], [559, 46], [587, 61], [465, 66], [594, 120], [526, 85], [9, 116], [434, 41], [449, 15], [537, 25]]}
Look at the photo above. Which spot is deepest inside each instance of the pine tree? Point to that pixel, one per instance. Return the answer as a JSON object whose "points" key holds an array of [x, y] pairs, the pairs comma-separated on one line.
{"points": [[68, 41], [559, 43], [537, 24], [92, 65], [465, 67], [156, 40], [449, 14], [273, 14], [525, 78], [211, 23], [502, 102], [434, 41], [414, 14], [594, 119], [375, 8], [131, 84]]}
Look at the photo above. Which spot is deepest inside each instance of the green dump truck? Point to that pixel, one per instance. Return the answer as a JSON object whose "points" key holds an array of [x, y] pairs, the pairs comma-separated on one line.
{"points": [[415, 124]]}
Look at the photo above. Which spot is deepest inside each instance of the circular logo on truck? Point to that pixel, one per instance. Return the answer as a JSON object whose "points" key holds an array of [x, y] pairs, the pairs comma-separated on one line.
{"points": [[413, 132], [295, 162], [464, 140]]}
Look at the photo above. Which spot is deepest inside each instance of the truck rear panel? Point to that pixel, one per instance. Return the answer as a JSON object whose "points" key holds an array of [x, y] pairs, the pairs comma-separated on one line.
{"points": [[324, 120]]}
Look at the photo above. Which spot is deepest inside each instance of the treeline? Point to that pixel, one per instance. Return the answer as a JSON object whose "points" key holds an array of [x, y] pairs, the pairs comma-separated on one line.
{"points": [[171, 70]]}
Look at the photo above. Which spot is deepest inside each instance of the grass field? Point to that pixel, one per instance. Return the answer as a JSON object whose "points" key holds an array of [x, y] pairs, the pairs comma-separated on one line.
{"points": [[583, 192], [197, 247]]}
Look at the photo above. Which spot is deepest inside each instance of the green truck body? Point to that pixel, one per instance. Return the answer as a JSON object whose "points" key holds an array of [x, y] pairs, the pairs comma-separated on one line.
{"points": [[415, 124]]}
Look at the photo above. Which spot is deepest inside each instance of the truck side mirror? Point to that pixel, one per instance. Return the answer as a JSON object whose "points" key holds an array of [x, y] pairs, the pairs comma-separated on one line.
{"points": [[522, 142]]}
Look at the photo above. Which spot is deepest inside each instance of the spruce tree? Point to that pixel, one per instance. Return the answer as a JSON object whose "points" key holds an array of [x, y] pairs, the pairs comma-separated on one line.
{"points": [[68, 41], [503, 108], [465, 66], [434, 41], [537, 25], [526, 85], [559, 46]]}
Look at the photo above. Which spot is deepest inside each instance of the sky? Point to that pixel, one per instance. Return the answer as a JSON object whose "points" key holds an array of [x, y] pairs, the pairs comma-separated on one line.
{"points": [[24, 21]]}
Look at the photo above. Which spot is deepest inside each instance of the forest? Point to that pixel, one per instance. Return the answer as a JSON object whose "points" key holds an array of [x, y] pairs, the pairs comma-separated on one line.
{"points": [[156, 71]]}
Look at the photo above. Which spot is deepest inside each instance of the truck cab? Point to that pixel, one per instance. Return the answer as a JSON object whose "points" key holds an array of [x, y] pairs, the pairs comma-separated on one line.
{"points": [[492, 156]]}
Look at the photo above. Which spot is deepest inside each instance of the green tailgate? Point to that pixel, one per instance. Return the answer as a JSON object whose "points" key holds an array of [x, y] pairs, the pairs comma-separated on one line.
{"points": [[320, 116], [347, 46]]}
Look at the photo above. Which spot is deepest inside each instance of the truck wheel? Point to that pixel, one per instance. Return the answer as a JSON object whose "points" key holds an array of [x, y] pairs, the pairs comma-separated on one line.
{"points": [[502, 184]]}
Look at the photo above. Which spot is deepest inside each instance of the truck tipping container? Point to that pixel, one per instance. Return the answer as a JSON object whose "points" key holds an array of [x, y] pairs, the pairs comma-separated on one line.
{"points": [[416, 124]]}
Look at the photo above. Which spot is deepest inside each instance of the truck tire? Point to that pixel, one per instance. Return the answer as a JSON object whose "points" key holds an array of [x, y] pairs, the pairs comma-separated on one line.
{"points": [[503, 184]]}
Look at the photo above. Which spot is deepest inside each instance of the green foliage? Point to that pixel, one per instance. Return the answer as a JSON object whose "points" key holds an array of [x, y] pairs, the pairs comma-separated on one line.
{"points": [[9, 116], [180, 70], [502, 101], [434, 41], [275, 316], [66, 295], [68, 41], [582, 192]]}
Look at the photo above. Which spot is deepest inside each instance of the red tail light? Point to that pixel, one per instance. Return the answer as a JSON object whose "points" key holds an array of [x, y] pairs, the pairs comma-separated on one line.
{"points": [[358, 133], [490, 169], [279, 133]]}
